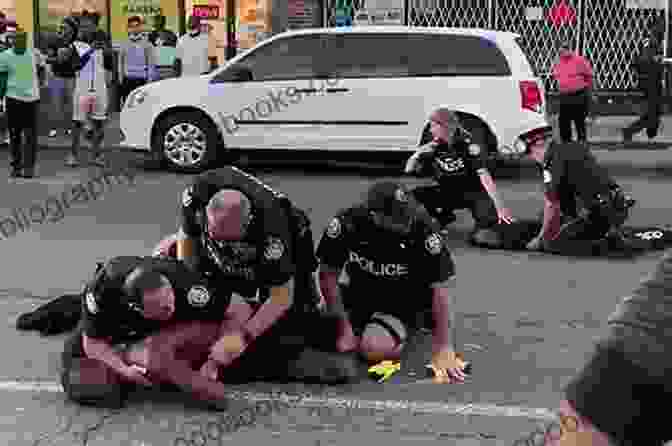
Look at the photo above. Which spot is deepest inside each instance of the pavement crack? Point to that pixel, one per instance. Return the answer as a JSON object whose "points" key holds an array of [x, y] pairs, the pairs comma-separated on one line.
{"points": [[88, 430]]}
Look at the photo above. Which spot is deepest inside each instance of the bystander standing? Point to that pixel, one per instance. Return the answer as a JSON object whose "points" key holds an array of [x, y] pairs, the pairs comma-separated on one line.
{"points": [[91, 94], [165, 48], [5, 44], [62, 83], [649, 67], [574, 75], [24, 69], [136, 59], [193, 51]]}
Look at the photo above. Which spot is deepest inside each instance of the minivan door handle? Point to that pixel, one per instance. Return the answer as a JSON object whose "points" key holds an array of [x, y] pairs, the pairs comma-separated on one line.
{"points": [[338, 90], [306, 90]]}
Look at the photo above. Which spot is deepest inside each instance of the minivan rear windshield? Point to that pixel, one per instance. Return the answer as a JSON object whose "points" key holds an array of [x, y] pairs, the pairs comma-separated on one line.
{"points": [[523, 47]]}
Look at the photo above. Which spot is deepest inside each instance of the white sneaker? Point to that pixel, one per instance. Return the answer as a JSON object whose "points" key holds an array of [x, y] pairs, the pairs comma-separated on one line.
{"points": [[52, 133]]}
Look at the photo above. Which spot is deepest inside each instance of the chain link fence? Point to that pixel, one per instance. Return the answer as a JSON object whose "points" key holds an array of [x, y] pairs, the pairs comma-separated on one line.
{"points": [[607, 32]]}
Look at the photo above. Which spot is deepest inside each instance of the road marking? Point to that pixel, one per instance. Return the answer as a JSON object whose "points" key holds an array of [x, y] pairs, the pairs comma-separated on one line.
{"points": [[308, 400]]}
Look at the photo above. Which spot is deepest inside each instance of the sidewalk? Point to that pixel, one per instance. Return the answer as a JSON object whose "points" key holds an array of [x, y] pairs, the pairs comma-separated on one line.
{"points": [[604, 134]]}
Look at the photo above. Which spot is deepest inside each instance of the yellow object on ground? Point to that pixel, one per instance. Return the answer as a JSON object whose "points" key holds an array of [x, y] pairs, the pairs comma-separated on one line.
{"points": [[384, 370]]}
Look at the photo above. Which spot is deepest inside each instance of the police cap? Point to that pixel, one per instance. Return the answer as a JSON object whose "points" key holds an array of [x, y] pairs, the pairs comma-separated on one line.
{"points": [[390, 199]]}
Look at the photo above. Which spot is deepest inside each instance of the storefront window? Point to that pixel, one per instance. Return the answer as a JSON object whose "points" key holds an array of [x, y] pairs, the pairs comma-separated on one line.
{"points": [[51, 14], [252, 21], [8, 7]]}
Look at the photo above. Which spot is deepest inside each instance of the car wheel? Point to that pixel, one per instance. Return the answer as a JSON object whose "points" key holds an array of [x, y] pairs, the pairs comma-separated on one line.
{"points": [[187, 141]]}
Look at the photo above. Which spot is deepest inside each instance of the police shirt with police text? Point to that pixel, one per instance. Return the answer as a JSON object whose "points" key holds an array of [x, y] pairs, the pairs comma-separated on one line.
{"points": [[256, 261], [570, 170], [105, 314], [455, 166], [381, 264]]}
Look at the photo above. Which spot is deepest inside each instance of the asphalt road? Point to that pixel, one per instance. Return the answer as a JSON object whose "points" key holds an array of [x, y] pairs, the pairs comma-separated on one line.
{"points": [[526, 321]]}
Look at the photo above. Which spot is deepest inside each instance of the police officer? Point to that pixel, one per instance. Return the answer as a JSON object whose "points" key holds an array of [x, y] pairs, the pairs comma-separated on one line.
{"points": [[571, 172], [460, 169], [238, 230], [613, 399], [398, 267], [145, 321]]}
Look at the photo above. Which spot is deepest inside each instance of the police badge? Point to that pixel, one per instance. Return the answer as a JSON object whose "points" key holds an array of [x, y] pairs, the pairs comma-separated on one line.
{"points": [[433, 244], [198, 296], [187, 196], [401, 195], [274, 249], [474, 149], [91, 303], [334, 228]]}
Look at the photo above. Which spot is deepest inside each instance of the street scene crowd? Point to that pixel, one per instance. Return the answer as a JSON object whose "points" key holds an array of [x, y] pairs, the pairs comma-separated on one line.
{"points": [[241, 291]]}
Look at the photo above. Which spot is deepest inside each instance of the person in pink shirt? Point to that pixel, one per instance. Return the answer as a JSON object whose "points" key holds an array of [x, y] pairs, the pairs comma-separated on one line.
{"points": [[574, 75]]}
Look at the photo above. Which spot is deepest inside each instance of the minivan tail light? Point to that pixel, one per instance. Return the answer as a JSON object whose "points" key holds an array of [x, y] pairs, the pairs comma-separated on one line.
{"points": [[530, 96]]}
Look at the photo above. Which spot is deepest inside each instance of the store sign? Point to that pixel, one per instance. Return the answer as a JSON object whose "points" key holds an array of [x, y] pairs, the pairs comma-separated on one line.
{"points": [[206, 12], [394, 16], [645, 4], [140, 7]]}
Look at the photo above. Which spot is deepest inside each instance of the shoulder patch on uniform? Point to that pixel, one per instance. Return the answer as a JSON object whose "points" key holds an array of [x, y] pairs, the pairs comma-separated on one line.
{"points": [[547, 176], [334, 228], [91, 303], [474, 149], [188, 196], [198, 296], [434, 243], [401, 195], [275, 248]]}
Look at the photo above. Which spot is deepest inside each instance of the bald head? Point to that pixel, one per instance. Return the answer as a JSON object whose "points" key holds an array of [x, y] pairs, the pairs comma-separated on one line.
{"points": [[228, 215]]}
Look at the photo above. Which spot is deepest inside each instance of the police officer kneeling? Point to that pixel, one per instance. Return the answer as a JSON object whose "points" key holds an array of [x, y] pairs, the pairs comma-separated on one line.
{"points": [[238, 230], [398, 267], [459, 168], [570, 171], [145, 321]]}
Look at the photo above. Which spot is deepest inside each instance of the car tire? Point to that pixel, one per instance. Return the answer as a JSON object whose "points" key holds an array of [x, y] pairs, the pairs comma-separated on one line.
{"points": [[206, 133]]}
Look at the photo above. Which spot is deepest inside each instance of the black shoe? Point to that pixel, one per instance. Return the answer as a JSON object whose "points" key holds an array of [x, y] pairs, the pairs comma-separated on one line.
{"points": [[15, 173], [627, 136]]}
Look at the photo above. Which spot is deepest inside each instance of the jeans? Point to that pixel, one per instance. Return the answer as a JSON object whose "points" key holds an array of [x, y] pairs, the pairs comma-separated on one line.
{"points": [[60, 91]]}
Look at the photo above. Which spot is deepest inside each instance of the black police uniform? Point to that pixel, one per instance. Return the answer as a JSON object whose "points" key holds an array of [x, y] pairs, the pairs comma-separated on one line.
{"points": [[109, 313], [388, 272], [571, 172], [456, 169], [278, 245]]}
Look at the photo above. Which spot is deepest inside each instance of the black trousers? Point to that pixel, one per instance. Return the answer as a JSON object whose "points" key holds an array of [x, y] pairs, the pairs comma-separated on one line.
{"points": [[650, 117], [441, 203], [22, 121], [573, 109], [586, 234]]}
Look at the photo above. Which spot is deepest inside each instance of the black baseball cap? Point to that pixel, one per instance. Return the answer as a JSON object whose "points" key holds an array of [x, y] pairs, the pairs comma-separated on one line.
{"points": [[392, 200]]}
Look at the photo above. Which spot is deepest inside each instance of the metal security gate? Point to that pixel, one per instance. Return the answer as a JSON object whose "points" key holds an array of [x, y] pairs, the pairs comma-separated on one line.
{"points": [[540, 39], [612, 34], [607, 32]]}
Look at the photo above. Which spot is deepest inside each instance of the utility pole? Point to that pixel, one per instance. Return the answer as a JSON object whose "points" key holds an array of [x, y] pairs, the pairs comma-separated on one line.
{"points": [[231, 34]]}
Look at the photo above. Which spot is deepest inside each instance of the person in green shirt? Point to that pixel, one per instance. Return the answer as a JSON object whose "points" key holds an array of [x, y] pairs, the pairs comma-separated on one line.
{"points": [[25, 72]]}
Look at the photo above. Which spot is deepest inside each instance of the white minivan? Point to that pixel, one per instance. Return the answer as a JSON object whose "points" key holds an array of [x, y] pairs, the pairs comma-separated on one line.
{"points": [[359, 89]]}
